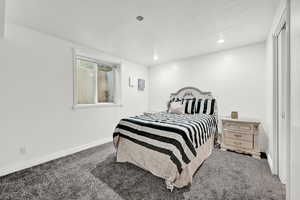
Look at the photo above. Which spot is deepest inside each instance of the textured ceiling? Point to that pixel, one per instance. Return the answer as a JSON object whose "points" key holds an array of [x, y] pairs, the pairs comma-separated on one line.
{"points": [[172, 29]]}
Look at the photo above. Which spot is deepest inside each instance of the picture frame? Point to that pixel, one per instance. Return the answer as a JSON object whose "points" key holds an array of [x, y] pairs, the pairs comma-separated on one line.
{"points": [[141, 84]]}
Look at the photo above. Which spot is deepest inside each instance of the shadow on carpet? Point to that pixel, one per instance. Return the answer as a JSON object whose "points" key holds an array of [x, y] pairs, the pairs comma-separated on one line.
{"points": [[134, 183], [223, 176]]}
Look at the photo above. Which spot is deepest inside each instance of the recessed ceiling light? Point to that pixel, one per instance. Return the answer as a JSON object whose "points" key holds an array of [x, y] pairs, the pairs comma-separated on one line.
{"points": [[140, 18], [220, 41], [155, 57]]}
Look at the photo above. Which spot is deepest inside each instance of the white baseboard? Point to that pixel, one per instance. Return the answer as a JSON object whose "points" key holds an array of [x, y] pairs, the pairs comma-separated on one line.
{"points": [[270, 161], [33, 162]]}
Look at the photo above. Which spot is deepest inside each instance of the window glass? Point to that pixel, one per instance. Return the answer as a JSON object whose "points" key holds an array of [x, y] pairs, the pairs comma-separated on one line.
{"points": [[95, 82], [86, 82], [105, 84]]}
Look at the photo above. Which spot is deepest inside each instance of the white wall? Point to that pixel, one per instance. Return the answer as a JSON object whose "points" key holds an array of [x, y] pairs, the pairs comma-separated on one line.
{"points": [[2, 18], [295, 99], [36, 84], [236, 77]]}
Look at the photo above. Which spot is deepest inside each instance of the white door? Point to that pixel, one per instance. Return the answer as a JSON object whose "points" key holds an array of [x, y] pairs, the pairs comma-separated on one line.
{"points": [[282, 102]]}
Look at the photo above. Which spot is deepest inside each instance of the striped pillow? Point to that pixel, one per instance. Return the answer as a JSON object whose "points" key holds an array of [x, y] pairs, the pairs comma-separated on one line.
{"points": [[205, 106], [189, 106]]}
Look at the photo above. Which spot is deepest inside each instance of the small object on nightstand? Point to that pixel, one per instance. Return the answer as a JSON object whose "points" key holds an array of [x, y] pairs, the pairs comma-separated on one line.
{"points": [[240, 135], [234, 115]]}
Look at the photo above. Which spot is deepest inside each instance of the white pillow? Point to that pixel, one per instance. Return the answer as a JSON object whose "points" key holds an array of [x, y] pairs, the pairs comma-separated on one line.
{"points": [[176, 108]]}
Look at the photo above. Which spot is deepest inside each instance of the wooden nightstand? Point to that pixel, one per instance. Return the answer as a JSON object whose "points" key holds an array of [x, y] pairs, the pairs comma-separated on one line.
{"points": [[240, 135]]}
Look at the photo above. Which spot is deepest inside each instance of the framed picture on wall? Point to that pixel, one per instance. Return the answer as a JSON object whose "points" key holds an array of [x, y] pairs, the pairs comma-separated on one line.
{"points": [[141, 84]]}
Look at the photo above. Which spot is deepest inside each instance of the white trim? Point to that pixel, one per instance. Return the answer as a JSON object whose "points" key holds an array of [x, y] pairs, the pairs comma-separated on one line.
{"points": [[288, 158], [74, 68], [79, 106], [285, 18], [37, 161], [270, 162], [2, 18], [281, 23], [275, 105], [83, 56]]}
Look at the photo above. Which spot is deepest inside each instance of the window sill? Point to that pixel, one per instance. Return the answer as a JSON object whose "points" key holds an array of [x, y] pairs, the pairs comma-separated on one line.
{"points": [[99, 105]]}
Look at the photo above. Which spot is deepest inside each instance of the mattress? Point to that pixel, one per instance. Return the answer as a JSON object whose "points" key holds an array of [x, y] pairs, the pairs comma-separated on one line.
{"points": [[169, 146]]}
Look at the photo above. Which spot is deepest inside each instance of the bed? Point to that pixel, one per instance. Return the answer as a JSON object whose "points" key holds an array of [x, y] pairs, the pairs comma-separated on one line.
{"points": [[170, 146]]}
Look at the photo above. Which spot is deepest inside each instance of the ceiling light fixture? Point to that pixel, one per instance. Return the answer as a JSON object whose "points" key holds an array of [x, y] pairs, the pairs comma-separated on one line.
{"points": [[155, 57], [220, 41], [140, 18]]}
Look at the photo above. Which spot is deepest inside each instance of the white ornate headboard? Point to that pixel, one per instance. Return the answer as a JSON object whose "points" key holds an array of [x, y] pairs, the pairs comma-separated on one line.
{"points": [[192, 92]]}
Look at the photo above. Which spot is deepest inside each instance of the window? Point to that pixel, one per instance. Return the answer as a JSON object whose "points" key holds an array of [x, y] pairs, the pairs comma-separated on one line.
{"points": [[95, 82]]}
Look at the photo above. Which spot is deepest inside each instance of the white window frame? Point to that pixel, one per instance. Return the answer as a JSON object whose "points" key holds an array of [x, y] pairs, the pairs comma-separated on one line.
{"points": [[117, 82]]}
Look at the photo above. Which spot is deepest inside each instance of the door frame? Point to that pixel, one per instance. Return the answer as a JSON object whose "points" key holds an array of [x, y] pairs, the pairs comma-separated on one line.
{"points": [[284, 21]]}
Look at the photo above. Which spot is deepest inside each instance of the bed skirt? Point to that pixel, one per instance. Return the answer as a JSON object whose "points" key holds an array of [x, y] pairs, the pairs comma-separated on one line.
{"points": [[160, 164]]}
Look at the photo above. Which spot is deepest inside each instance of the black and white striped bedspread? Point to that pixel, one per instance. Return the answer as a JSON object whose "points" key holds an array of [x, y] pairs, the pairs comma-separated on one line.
{"points": [[175, 135]]}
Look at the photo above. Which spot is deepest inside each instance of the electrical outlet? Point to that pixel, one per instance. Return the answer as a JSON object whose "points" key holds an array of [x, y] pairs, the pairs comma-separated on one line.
{"points": [[23, 151]]}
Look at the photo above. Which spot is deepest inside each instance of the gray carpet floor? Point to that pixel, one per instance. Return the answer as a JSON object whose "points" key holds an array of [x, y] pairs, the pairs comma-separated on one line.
{"points": [[93, 174]]}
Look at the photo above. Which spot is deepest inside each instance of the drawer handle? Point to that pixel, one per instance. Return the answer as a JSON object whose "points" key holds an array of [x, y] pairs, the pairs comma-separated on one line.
{"points": [[237, 135], [245, 127], [237, 143], [236, 131]]}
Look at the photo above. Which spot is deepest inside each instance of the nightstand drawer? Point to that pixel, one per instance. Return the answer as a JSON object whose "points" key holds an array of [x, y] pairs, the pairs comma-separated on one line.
{"points": [[238, 143], [238, 126], [228, 125], [238, 135]]}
